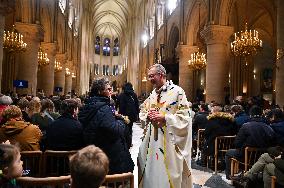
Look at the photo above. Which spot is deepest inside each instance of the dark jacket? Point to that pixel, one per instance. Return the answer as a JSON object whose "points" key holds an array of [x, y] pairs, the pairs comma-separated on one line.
{"points": [[64, 134], [199, 122], [279, 132], [241, 118], [279, 170], [255, 133], [219, 124], [104, 131], [5, 183], [128, 105]]}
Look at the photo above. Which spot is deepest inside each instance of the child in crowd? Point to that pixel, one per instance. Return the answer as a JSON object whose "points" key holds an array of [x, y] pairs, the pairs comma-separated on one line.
{"points": [[11, 165], [88, 167]]}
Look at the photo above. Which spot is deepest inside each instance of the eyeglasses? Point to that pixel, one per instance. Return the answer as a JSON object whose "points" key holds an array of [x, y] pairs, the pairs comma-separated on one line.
{"points": [[152, 75]]}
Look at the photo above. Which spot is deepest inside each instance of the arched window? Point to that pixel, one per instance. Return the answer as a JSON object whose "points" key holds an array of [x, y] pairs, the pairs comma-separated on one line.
{"points": [[96, 69], [106, 47], [97, 45], [76, 24], [106, 70], [172, 4], [62, 5], [71, 15], [115, 70], [116, 47]]}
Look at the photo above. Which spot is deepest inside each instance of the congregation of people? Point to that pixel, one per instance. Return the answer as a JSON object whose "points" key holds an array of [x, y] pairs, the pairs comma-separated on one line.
{"points": [[102, 126], [39, 124]]}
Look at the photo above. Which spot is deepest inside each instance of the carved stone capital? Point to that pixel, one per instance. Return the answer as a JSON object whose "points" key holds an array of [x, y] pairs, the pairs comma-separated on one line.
{"points": [[7, 6], [29, 31], [49, 48], [61, 58], [185, 50], [217, 34]]}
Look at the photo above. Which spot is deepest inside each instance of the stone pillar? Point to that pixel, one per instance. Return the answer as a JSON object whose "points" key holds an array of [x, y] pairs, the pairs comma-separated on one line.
{"points": [[68, 83], [47, 72], [28, 60], [59, 76], [186, 74], [279, 82], [6, 6], [217, 40]]}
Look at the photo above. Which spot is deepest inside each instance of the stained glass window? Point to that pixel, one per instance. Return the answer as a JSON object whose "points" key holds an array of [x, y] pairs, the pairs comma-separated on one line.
{"points": [[97, 45], [106, 47]]}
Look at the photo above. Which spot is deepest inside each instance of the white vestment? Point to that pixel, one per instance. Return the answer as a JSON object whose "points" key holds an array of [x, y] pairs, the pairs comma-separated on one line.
{"points": [[165, 163]]}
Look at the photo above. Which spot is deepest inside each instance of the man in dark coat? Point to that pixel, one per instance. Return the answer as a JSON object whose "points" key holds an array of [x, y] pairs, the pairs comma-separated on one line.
{"points": [[66, 132], [128, 105], [104, 130], [254, 133]]}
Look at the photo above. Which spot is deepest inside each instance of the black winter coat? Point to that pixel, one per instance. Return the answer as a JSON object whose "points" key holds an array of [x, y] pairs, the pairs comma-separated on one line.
{"points": [[218, 125], [128, 105], [102, 129], [255, 133], [65, 133], [279, 132]]}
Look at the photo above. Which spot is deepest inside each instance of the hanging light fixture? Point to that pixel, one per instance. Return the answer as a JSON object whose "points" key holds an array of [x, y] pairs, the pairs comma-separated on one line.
{"points": [[67, 72], [13, 41], [57, 66], [42, 58], [73, 75], [197, 59], [246, 43]]}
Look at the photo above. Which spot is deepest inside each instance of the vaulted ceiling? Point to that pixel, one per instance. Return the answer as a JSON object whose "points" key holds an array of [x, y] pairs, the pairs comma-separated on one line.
{"points": [[110, 17]]}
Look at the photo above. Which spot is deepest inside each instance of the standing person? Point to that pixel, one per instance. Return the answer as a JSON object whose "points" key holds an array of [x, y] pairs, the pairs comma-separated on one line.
{"points": [[104, 130], [165, 161], [128, 105]]}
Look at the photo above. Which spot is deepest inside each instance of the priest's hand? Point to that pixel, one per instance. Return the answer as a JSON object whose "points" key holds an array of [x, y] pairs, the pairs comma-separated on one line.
{"points": [[159, 119]]}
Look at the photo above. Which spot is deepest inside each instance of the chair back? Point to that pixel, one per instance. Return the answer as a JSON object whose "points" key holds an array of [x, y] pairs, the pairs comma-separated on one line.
{"points": [[50, 182], [125, 180], [222, 145], [251, 156], [200, 138], [56, 163], [32, 163]]}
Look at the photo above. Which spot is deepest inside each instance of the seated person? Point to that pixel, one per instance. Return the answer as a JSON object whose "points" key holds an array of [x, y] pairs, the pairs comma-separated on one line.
{"points": [[200, 119], [88, 167], [66, 132], [254, 133], [11, 165], [269, 164], [16, 130]]}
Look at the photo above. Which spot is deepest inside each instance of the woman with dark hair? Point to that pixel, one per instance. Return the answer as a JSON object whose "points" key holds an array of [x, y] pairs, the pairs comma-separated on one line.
{"points": [[104, 130], [128, 105], [66, 132]]}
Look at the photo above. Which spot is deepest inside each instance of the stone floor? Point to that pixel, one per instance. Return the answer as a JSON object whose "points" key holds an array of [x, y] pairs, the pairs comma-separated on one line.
{"points": [[202, 177]]}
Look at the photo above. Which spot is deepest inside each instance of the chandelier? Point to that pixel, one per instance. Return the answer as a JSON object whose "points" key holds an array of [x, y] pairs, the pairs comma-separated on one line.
{"points": [[73, 75], [67, 72], [13, 41], [57, 66], [197, 61], [246, 43], [42, 58]]}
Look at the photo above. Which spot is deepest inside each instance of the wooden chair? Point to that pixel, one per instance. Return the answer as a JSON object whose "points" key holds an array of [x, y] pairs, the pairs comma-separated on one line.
{"points": [[125, 180], [273, 181], [251, 156], [200, 138], [222, 145], [54, 182], [32, 162], [56, 163]]}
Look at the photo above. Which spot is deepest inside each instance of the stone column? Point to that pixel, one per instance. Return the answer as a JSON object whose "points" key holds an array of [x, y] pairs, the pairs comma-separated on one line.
{"points": [[59, 76], [47, 72], [68, 83], [217, 40], [6, 6], [279, 82], [28, 60], [186, 74]]}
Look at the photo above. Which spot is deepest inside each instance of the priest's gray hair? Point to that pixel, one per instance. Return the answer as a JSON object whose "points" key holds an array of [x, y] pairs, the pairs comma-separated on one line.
{"points": [[160, 69]]}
